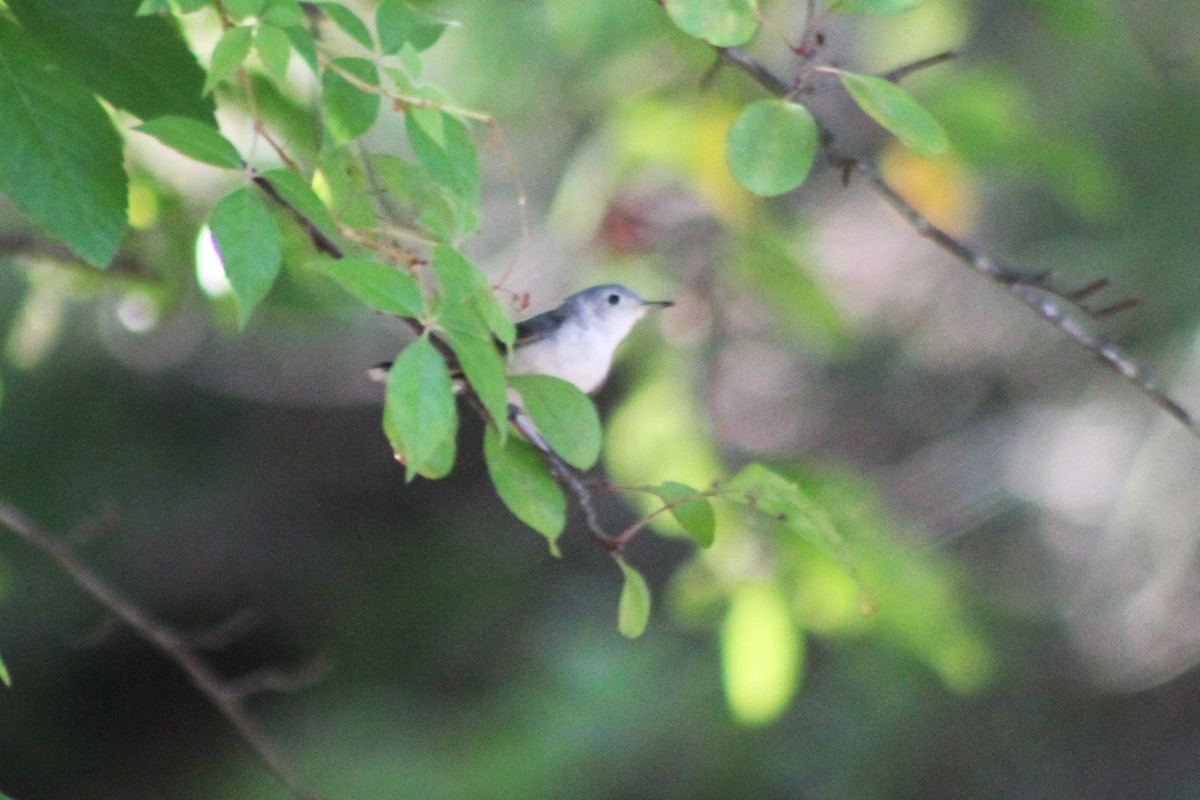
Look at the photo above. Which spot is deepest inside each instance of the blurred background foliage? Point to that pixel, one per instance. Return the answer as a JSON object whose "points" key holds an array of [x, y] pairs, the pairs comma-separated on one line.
{"points": [[1018, 618]]}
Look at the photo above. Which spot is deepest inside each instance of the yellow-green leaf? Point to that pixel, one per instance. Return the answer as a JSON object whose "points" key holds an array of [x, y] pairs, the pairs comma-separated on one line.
{"points": [[693, 513], [761, 653], [633, 610]]}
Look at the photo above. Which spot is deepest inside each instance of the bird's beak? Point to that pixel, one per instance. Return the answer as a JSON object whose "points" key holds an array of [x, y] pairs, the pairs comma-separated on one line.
{"points": [[660, 303]]}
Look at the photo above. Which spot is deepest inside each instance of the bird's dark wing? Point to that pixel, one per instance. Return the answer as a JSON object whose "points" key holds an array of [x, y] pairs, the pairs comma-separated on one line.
{"points": [[539, 327]]}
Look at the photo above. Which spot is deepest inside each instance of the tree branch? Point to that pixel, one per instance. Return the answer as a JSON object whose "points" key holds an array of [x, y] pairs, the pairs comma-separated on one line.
{"points": [[226, 697], [1036, 290]]}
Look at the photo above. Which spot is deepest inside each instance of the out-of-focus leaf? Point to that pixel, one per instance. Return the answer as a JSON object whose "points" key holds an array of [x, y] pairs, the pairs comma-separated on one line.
{"points": [[761, 653], [694, 515], [872, 6], [60, 161], [349, 22], [240, 9], [413, 196], [138, 63], [724, 23], [231, 50], [442, 143], [249, 243], [633, 610], [349, 111], [419, 414], [274, 48], [348, 186], [777, 498], [381, 286], [771, 146], [193, 139], [896, 110], [524, 483], [565, 416], [5, 678], [283, 13], [399, 24], [304, 44]]}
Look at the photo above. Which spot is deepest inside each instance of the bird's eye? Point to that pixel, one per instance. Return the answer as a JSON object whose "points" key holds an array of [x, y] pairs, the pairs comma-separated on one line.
{"points": [[613, 299]]}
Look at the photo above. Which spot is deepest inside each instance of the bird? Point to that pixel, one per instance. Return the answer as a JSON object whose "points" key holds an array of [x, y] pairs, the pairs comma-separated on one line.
{"points": [[577, 340]]}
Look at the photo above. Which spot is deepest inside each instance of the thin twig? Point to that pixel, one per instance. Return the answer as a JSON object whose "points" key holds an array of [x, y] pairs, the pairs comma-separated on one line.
{"points": [[904, 70], [167, 641]]}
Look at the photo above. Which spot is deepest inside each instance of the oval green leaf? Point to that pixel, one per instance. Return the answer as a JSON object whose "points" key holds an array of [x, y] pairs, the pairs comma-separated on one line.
{"points": [[349, 111], [231, 50], [193, 139], [349, 22], [524, 484], [274, 50], [565, 416], [633, 610], [384, 288], [896, 110], [693, 513], [483, 367], [419, 413], [248, 241], [723, 23], [761, 654], [771, 145]]}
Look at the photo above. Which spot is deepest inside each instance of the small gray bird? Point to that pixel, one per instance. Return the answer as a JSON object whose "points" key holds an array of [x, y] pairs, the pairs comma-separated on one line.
{"points": [[576, 341]]}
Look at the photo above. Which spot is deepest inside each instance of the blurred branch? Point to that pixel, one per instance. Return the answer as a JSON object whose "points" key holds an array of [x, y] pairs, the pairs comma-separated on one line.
{"points": [[226, 696], [1036, 290]]}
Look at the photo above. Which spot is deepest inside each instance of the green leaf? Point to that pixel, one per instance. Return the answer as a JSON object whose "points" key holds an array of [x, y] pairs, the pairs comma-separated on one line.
{"points": [[771, 145], [283, 13], [524, 483], [349, 111], [61, 160], [694, 515], [384, 288], [295, 191], [483, 366], [274, 49], [413, 197], [350, 189], [348, 21], [872, 6], [761, 653], [249, 243], [461, 282], [5, 678], [399, 24], [633, 611], [240, 9], [723, 23], [443, 145], [304, 44], [138, 63], [194, 139], [565, 416], [774, 496], [419, 414], [228, 54], [896, 110]]}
